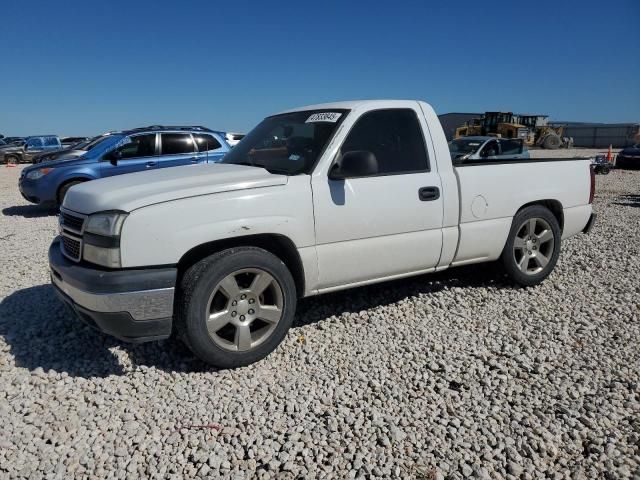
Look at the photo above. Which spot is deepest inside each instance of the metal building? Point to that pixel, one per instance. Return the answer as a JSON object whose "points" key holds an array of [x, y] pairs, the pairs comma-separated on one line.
{"points": [[601, 135]]}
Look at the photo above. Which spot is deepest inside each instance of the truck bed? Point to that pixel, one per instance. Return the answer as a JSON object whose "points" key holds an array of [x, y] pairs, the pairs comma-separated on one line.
{"points": [[491, 192]]}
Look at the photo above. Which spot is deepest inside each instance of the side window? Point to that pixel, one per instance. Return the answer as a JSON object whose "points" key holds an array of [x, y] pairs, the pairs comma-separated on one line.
{"points": [[490, 149], [138, 146], [177, 143], [35, 142], [510, 147], [206, 142], [394, 137], [50, 142]]}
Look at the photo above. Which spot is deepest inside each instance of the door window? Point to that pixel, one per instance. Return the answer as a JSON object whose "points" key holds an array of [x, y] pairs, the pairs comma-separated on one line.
{"points": [[206, 142], [50, 142], [490, 149], [35, 142], [394, 137], [177, 143], [510, 147], [138, 146]]}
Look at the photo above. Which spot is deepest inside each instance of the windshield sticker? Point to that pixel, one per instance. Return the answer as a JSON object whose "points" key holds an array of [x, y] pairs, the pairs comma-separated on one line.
{"points": [[324, 117], [126, 140], [294, 157]]}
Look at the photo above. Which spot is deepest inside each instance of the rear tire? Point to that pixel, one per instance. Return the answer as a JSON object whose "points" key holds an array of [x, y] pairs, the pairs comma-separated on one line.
{"points": [[533, 246], [64, 189], [235, 306], [12, 159]]}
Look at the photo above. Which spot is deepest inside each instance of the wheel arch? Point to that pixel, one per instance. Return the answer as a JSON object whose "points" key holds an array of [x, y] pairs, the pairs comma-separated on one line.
{"points": [[554, 206], [69, 180], [277, 244]]}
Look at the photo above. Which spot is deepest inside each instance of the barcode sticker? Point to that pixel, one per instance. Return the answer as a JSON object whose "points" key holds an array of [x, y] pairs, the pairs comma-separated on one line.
{"points": [[324, 117]]}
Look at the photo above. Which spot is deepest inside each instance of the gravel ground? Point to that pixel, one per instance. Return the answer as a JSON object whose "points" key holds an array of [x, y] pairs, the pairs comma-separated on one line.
{"points": [[453, 375]]}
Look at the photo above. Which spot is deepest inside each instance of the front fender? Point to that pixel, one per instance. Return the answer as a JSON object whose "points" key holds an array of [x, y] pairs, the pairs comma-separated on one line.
{"points": [[161, 234]]}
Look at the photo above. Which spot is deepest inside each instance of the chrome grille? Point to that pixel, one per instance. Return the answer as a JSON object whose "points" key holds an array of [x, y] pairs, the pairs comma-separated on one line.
{"points": [[71, 228], [71, 247], [71, 222]]}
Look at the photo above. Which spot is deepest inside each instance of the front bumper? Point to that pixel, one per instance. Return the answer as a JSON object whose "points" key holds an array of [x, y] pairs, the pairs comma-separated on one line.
{"points": [[29, 190], [132, 305]]}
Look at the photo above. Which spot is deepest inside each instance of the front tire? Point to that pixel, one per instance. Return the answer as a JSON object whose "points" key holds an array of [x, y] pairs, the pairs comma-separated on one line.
{"points": [[236, 306], [64, 189], [533, 246]]}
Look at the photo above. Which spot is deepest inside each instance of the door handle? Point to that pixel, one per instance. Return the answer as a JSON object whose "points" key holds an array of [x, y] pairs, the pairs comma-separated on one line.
{"points": [[427, 194], [151, 164]]}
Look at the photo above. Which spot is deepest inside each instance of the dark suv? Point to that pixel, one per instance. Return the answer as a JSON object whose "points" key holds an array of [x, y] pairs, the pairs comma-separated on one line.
{"points": [[117, 153], [23, 152]]}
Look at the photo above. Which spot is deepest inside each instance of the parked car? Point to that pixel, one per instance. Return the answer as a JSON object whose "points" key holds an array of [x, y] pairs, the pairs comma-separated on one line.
{"points": [[629, 157], [32, 146], [9, 144], [312, 200], [72, 152], [147, 148], [10, 140], [485, 148], [68, 142]]}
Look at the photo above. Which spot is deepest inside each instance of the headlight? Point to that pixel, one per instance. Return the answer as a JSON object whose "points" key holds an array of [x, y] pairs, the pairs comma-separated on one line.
{"points": [[101, 239], [108, 224], [107, 257], [36, 174]]}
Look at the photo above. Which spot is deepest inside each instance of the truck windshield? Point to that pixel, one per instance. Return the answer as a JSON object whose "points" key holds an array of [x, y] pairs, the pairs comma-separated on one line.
{"points": [[290, 143], [463, 145]]}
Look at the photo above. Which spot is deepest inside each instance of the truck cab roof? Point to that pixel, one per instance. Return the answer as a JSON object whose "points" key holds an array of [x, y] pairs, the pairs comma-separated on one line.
{"points": [[355, 104]]}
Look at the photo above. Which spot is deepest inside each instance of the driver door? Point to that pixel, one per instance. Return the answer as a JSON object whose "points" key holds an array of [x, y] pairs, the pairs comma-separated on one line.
{"points": [[135, 153], [33, 147], [383, 225]]}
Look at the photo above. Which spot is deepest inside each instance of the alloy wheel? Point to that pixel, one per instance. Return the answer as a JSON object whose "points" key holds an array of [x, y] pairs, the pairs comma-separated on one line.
{"points": [[533, 246], [244, 309]]}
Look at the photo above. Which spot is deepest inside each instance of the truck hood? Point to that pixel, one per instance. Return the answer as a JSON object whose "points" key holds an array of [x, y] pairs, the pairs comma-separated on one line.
{"points": [[630, 151], [136, 190], [10, 148]]}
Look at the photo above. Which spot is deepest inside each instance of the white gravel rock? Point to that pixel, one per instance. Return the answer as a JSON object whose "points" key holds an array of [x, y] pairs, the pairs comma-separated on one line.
{"points": [[454, 375]]}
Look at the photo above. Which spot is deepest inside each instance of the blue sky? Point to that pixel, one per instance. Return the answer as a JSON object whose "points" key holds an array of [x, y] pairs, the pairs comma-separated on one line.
{"points": [[83, 67]]}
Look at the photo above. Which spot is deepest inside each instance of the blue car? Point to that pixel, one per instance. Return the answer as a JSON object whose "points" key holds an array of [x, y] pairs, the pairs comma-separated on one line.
{"points": [[119, 153]]}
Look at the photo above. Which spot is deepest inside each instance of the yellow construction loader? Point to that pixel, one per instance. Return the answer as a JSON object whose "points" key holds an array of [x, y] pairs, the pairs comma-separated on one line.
{"points": [[532, 129], [494, 124]]}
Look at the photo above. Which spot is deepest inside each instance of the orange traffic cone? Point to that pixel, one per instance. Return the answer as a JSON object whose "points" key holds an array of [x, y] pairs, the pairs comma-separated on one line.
{"points": [[610, 154]]}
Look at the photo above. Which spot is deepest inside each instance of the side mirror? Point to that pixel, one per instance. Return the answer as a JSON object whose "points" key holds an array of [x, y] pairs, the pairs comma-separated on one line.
{"points": [[358, 163], [113, 156]]}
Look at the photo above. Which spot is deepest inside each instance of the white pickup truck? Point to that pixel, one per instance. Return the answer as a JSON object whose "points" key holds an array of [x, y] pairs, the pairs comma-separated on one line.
{"points": [[313, 200]]}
